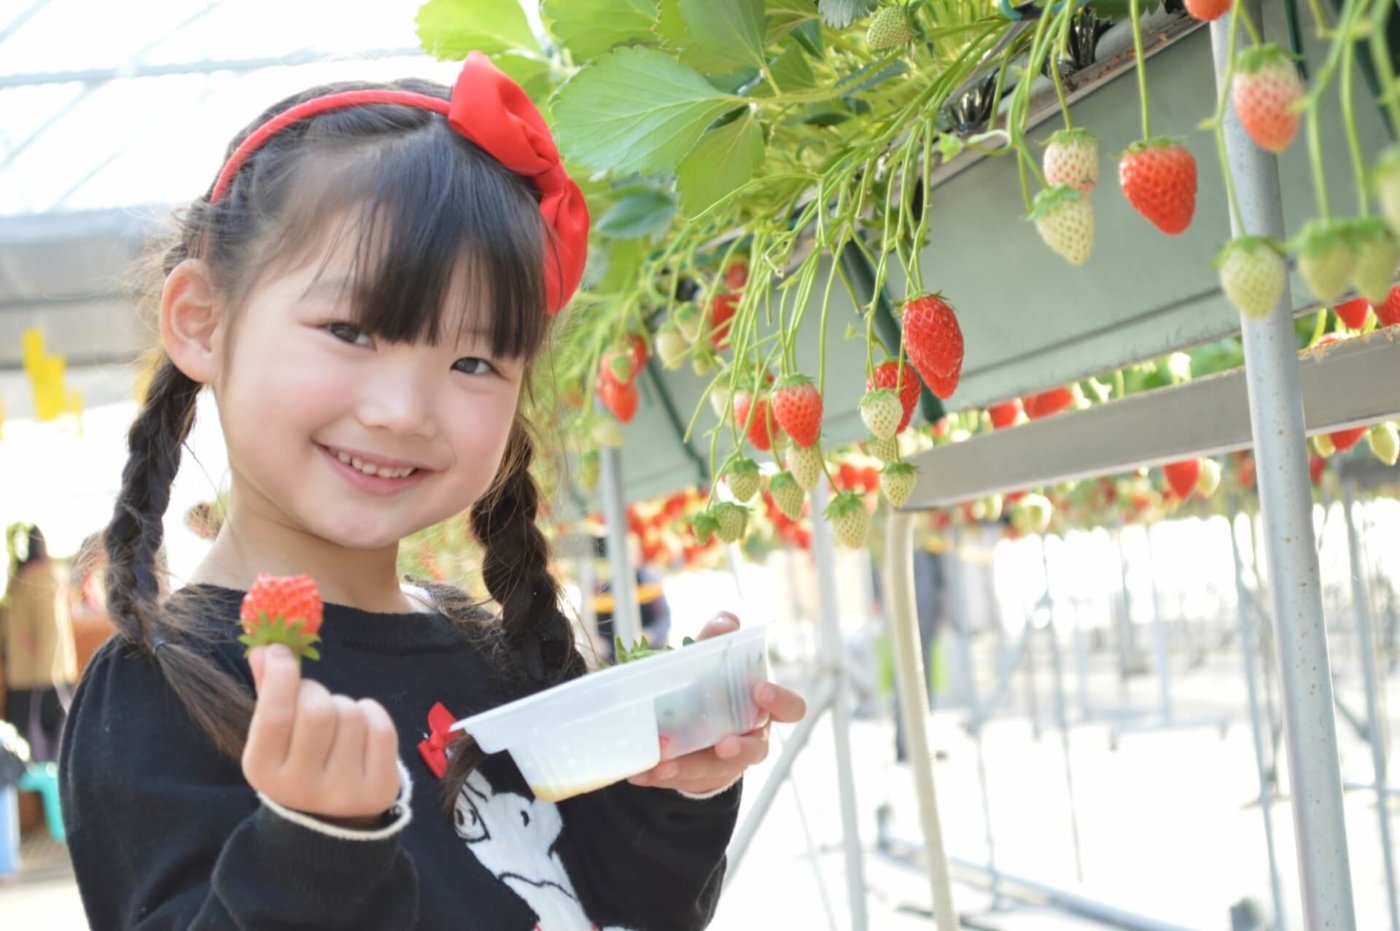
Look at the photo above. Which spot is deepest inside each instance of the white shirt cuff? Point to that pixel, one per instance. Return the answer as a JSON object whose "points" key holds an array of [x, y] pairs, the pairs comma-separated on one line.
{"points": [[401, 812]]}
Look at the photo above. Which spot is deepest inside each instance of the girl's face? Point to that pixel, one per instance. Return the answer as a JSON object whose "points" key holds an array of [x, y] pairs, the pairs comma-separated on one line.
{"points": [[336, 433]]}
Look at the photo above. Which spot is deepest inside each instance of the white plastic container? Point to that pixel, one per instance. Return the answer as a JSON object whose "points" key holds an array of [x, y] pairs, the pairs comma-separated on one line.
{"points": [[606, 726]]}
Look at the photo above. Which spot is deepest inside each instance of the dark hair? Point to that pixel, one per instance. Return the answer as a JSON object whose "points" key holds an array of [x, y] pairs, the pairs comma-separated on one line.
{"points": [[428, 205], [37, 549]]}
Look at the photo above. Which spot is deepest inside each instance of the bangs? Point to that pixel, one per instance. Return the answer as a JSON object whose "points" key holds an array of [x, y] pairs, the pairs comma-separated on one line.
{"points": [[446, 241]]}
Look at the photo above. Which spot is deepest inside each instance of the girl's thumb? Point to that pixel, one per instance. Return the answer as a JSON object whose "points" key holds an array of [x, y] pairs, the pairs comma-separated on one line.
{"points": [[256, 660]]}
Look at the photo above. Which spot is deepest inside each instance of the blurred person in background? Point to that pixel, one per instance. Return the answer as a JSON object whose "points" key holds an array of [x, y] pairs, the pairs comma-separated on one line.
{"points": [[651, 600], [87, 600], [40, 657]]}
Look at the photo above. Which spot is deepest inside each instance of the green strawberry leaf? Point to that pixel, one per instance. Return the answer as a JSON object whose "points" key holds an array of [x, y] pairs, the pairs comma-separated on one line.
{"points": [[727, 31], [449, 29], [841, 13], [635, 109], [638, 214], [785, 16], [589, 28], [790, 70], [534, 75], [721, 161]]}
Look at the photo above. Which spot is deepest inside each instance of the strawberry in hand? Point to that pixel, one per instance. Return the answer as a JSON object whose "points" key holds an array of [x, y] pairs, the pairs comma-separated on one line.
{"points": [[282, 609]]}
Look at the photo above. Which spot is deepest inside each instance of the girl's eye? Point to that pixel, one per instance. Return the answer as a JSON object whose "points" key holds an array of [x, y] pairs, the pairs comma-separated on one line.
{"points": [[349, 333], [472, 365]]}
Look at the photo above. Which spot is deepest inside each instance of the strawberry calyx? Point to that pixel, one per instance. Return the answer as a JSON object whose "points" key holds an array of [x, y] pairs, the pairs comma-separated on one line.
{"points": [[1247, 244], [1318, 237], [1052, 199], [267, 629], [1259, 57], [1069, 136]]}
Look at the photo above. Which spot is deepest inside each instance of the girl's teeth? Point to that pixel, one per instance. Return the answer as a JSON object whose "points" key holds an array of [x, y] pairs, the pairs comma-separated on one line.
{"points": [[370, 468]]}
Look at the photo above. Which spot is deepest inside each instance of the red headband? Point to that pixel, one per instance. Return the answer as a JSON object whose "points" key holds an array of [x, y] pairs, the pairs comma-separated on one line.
{"points": [[492, 111]]}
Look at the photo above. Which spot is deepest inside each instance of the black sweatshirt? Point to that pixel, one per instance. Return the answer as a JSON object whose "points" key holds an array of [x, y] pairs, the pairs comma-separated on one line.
{"points": [[165, 833]]}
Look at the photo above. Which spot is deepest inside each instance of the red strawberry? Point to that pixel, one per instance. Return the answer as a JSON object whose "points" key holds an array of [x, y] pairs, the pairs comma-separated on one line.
{"points": [[1264, 90], [620, 397], [797, 406], [1388, 312], [722, 307], [934, 342], [1343, 440], [762, 428], [282, 609], [1316, 466], [1158, 176], [1353, 312], [1207, 11], [1183, 476], [887, 375], [1005, 414], [1048, 402], [736, 275]]}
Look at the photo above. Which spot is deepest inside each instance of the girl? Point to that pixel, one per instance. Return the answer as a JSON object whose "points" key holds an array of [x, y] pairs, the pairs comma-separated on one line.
{"points": [[363, 289]]}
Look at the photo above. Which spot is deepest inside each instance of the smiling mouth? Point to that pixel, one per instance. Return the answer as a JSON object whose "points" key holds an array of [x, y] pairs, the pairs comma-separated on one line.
{"points": [[370, 466]]}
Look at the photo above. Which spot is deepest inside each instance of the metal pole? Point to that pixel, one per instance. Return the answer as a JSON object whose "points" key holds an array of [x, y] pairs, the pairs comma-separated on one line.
{"points": [[1276, 421], [834, 659], [1061, 712], [1256, 726], [1159, 634], [913, 701], [1374, 729], [976, 720], [627, 622], [820, 702]]}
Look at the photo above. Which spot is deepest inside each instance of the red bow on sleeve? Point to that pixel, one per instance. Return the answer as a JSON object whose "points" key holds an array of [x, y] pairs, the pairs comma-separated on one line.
{"points": [[433, 747]]}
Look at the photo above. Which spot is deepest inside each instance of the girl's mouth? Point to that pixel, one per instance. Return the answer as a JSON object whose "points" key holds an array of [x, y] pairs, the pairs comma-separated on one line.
{"points": [[374, 475]]}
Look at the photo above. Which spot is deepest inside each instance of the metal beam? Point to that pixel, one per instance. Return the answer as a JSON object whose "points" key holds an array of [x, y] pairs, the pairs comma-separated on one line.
{"points": [[235, 65], [1346, 384]]}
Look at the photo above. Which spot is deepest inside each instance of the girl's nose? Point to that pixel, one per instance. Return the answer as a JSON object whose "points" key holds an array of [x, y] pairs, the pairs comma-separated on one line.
{"points": [[397, 398]]}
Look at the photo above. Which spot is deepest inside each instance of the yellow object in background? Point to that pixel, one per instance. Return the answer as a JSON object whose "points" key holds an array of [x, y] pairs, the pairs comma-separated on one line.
{"points": [[52, 399]]}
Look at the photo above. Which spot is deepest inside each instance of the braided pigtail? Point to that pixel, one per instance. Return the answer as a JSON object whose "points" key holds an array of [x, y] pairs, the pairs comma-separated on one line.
{"points": [[216, 702], [538, 636]]}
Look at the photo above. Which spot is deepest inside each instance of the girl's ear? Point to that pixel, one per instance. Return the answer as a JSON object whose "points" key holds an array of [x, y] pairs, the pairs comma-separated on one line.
{"points": [[189, 317]]}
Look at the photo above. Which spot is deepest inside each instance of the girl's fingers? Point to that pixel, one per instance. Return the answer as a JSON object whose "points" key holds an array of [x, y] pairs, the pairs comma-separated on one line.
{"points": [[381, 749], [722, 623], [278, 680], [781, 704], [313, 734], [346, 762]]}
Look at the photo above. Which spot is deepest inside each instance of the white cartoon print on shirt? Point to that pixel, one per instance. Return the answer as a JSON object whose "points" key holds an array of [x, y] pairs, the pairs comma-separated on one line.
{"points": [[513, 837]]}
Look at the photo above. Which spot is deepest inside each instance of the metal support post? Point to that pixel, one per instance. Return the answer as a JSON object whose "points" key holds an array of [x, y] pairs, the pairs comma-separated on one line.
{"points": [[627, 623], [1276, 420], [1061, 707], [833, 658], [1257, 727], [1374, 729], [1159, 635], [913, 700]]}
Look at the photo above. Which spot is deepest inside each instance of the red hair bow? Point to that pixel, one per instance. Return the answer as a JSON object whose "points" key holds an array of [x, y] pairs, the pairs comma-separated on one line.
{"points": [[433, 747], [492, 111]]}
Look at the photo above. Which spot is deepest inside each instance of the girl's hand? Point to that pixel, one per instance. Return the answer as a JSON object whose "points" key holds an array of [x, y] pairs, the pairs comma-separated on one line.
{"points": [[705, 771], [318, 753]]}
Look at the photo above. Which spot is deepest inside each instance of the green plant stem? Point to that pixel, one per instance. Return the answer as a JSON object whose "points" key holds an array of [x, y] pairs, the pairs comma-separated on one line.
{"points": [[1219, 122], [1135, 13], [1385, 68], [1055, 73], [1249, 26], [1358, 161]]}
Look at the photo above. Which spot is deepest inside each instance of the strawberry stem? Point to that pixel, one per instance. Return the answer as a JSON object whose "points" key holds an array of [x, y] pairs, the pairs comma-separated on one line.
{"points": [[1221, 102], [1135, 14], [1358, 161], [1061, 42], [1380, 55]]}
